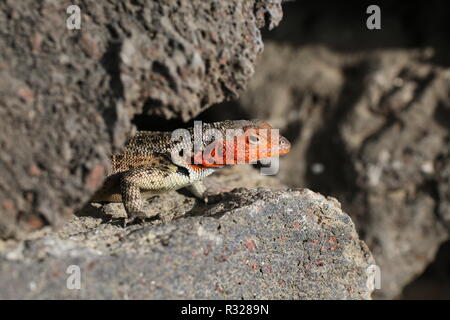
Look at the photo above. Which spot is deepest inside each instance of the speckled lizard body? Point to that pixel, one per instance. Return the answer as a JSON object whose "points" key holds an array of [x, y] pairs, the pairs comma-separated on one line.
{"points": [[146, 165]]}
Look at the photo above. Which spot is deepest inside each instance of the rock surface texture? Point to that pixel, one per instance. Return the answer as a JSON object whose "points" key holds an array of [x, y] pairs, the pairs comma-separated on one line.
{"points": [[67, 96], [253, 244]]}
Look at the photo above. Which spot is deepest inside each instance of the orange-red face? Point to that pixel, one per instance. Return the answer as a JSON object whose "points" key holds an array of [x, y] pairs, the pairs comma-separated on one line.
{"points": [[246, 145]]}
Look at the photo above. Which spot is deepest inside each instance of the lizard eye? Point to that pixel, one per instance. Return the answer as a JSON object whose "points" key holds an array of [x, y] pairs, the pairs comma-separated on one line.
{"points": [[253, 139]]}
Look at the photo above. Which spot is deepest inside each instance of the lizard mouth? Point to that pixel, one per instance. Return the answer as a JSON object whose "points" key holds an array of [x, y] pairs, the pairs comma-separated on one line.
{"points": [[217, 159], [283, 147]]}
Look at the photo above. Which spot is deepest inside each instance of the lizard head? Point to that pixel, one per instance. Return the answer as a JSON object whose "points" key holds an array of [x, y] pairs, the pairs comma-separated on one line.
{"points": [[244, 141]]}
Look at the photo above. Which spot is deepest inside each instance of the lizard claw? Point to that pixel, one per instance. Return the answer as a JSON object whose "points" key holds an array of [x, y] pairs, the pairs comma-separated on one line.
{"points": [[138, 216], [211, 198]]}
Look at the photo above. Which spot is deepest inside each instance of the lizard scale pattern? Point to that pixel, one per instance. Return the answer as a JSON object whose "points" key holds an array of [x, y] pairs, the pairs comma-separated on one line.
{"points": [[145, 167]]}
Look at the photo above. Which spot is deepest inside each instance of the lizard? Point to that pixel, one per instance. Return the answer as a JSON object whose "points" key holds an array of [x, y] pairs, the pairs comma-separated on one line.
{"points": [[146, 167]]}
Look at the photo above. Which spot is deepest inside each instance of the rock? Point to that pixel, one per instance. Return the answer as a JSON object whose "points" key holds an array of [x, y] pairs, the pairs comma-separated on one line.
{"points": [[252, 244], [67, 96]]}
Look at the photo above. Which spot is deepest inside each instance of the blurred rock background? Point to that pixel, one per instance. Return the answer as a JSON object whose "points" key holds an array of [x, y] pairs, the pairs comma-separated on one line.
{"points": [[368, 112]]}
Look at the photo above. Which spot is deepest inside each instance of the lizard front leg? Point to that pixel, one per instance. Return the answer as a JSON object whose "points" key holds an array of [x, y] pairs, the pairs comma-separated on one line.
{"points": [[198, 189], [131, 184]]}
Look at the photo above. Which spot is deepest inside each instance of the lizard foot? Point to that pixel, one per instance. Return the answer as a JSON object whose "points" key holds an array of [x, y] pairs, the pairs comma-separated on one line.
{"points": [[212, 198], [136, 216], [140, 214]]}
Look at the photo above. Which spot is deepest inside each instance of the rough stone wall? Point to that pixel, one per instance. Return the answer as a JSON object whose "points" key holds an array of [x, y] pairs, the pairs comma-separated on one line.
{"points": [[67, 96]]}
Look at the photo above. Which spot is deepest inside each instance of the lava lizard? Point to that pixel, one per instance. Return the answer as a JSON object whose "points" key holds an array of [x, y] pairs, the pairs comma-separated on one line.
{"points": [[145, 166]]}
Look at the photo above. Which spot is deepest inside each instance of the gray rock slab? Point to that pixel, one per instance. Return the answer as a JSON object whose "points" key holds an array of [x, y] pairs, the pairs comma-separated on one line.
{"points": [[252, 244]]}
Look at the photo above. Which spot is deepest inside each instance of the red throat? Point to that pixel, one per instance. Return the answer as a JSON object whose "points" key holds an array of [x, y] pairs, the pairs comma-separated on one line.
{"points": [[241, 152]]}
